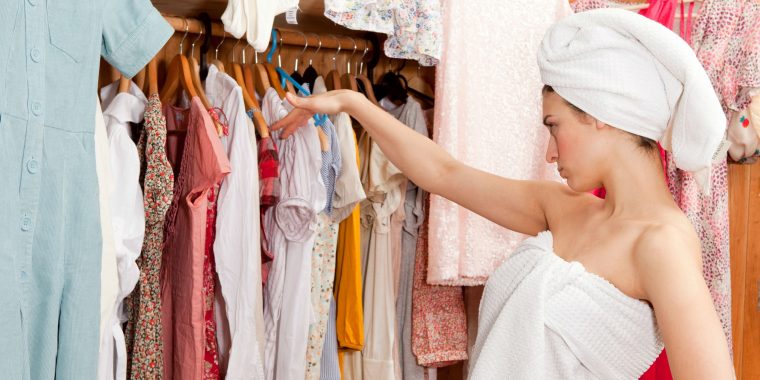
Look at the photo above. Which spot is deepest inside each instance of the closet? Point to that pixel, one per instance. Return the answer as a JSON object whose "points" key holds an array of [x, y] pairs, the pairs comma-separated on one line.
{"points": [[744, 202], [317, 41]]}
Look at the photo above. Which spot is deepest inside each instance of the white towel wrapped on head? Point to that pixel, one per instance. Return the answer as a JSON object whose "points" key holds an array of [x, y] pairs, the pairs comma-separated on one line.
{"points": [[638, 76]]}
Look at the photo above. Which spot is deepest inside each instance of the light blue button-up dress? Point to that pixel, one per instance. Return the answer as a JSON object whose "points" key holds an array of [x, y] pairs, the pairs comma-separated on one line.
{"points": [[50, 244]]}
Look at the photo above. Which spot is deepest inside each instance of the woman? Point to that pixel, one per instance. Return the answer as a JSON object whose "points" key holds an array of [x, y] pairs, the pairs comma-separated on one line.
{"points": [[604, 283]]}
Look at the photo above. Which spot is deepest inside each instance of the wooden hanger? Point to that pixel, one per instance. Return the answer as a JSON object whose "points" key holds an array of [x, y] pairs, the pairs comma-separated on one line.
{"points": [[333, 81], [418, 84], [124, 84], [178, 76], [260, 76], [271, 73], [237, 74], [250, 101], [152, 74]]}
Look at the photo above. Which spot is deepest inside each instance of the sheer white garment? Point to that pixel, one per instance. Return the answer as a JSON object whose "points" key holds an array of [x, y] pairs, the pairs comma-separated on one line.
{"points": [[488, 115]]}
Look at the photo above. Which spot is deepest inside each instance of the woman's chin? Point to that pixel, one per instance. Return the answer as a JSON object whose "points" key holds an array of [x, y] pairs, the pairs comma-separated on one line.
{"points": [[579, 186]]}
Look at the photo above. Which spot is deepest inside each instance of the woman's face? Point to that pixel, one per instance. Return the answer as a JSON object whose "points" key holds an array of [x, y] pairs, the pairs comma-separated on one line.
{"points": [[575, 144]]}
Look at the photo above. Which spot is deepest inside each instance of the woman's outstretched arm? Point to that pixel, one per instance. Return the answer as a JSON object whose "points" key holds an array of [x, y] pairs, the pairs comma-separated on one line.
{"points": [[514, 204]]}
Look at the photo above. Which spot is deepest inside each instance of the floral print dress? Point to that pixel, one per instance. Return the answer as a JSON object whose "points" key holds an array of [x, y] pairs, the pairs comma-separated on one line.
{"points": [[143, 331]]}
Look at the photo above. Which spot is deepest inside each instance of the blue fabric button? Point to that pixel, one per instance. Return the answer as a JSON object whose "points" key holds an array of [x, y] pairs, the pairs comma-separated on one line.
{"points": [[32, 166], [23, 275], [36, 54], [37, 108], [26, 223]]}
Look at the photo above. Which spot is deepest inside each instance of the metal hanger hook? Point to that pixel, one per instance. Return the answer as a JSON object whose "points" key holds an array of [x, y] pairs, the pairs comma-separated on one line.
{"points": [[319, 40], [182, 41], [335, 57], [361, 60], [192, 45], [279, 48], [306, 46], [216, 51], [348, 64], [233, 49]]}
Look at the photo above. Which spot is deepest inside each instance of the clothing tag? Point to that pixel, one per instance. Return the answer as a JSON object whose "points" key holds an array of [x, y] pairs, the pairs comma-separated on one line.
{"points": [[720, 154], [290, 15]]}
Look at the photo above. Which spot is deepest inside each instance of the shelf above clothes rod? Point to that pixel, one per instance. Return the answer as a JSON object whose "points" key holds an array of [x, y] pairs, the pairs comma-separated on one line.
{"points": [[289, 36]]}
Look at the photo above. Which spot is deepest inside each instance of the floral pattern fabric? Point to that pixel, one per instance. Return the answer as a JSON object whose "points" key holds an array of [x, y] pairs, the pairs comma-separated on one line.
{"points": [[414, 27], [143, 330], [439, 320], [211, 355], [322, 281], [726, 38]]}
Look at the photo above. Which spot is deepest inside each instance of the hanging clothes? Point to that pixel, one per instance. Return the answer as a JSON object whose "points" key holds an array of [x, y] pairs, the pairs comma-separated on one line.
{"points": [[290, 227], [324, 255], [50, 239], [329, 368], [254, 18], [109, 273], [414, 27], [349, 313], [382, 183], [439, 319], [144, 330], [662, 11], [269, 192], [237, 247], [726, 39], [128, 211], [466, 123], [413, 214], [202, 165]]}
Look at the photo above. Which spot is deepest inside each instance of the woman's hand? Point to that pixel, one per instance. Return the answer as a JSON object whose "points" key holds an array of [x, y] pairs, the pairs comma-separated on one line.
{"points": [[330, 103]]}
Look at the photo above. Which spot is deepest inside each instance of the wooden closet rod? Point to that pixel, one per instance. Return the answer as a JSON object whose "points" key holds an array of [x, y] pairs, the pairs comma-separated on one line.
{"points": [[289, 37]]}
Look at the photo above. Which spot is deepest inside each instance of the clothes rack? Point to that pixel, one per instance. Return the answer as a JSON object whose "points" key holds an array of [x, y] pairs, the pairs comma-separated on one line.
{"points": [[289, 37]]}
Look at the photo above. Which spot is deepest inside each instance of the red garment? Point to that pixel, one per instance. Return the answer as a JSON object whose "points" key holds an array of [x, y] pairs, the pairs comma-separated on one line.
{"points": [[439, 320], [269, 192], [203, 164], [660, 370], [211, 355], [662, 11]]}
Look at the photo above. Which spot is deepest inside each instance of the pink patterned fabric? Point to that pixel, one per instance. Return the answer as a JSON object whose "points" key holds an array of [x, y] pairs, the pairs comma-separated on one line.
{"points": [[726, 37], [587, 5], [709, 215], [439, 320], [202, 164]]}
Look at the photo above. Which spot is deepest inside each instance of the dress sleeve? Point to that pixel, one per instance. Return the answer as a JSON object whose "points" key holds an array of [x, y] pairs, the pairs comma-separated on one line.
{"points": [[133, 32]]}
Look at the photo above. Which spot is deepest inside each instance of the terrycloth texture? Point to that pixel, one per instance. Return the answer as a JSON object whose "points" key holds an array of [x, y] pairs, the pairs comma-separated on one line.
{"points": [[610, 61], [542, 317]]}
